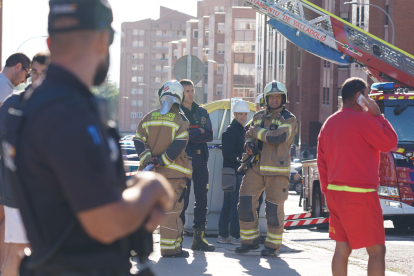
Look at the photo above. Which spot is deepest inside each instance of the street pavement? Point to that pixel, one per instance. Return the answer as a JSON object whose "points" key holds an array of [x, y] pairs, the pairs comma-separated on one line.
{"points": [[304, 252]]}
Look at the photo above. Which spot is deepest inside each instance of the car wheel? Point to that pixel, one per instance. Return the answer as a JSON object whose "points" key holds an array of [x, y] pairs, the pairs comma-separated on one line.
{"points": [[317, 203], [298, 188]]}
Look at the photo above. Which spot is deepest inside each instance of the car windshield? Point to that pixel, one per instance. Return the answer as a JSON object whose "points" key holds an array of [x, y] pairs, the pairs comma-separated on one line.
{"points": [[401, 118]]}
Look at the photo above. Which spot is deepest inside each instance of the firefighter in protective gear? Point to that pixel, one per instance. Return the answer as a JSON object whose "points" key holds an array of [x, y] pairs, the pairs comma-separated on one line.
{"points": [[268, 140], [259, 102], [161, 139]]}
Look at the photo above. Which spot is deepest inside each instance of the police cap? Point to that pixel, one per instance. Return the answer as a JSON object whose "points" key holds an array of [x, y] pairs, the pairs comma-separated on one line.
{"points": [[90, 15]]}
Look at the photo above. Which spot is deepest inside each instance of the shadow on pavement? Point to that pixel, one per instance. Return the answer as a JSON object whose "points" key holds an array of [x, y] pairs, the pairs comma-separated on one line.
{"points": [[254, 264]]}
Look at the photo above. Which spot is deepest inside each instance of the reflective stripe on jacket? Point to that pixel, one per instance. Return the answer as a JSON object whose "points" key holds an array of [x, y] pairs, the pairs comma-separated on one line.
{"points": [[157, 132], [277, 134]]}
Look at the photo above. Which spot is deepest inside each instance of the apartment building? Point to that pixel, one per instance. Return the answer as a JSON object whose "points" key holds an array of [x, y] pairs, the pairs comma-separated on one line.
{"points": [[223, 38], [314, 84], [145, 63]]}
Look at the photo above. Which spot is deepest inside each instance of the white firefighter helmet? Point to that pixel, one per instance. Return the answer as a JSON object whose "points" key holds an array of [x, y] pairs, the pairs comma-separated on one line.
{"points": [[241, 107], [274, 88], [259, 99], [172, 92]]}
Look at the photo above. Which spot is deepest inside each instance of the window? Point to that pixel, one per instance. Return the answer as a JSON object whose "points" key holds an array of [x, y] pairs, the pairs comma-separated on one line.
{"points": [[157, 80], [141, 67], [133, 114], [219, 89], [134, 91], [339, 98], [220, 48], [344, 16], [165, 68], [195, 33], [220, 69], [216, 8], [357, 16], [166, 56], [221, 28], [243, 92], [158, 56], [158, 32], [133, 127], [141, 43], [134, 67], [139, 103], [168, 33], [362, 16], [181, 33], [140, 79], [165, 44], [245, 47], [281, 59], [158, 68], [207, 30], [135, 32], [326, 64], [325, 96], [134, 79], [195, 51], [175, 53], [134, 43], [141, 32], [140, 91], [158, 44], [221, 9], [134, 56], [245, 24], [139, 114], [244, 58], [386, 17], [133, 103], [141, 55]]}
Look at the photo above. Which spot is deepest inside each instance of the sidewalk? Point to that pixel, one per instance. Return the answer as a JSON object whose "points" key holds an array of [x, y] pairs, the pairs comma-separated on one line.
{"points": [[292, 260]]}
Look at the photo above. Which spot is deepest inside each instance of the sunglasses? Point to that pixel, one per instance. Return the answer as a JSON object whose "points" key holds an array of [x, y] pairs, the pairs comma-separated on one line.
{"points": [[28, 73]]}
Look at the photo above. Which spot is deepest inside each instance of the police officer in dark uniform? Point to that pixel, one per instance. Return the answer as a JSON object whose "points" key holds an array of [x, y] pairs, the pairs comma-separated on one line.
{"points": [[201, 132], [64, 160]]}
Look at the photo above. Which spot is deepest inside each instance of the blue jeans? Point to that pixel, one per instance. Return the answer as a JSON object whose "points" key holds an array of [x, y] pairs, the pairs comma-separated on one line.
{"points": [[229, 214]]}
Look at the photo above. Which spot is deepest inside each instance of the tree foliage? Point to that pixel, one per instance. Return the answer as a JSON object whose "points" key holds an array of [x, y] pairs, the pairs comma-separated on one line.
{"points": [[110, 92]]}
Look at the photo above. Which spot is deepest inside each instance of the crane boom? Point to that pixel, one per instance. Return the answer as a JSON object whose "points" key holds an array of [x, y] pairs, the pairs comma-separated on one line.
{"points": [[382, 61]]}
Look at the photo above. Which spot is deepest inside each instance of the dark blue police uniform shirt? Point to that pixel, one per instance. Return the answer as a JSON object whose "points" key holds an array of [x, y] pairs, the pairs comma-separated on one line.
{"points": [[69, 170]]}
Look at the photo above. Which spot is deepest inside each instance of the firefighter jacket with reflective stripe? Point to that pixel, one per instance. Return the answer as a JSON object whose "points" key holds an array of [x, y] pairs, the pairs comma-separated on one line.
{"points": [[273, 134], [157, 132]]}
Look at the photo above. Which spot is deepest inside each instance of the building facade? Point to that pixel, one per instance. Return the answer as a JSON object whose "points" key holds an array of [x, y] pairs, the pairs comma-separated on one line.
{"points": [[145, 63], [314, 84], [223, 38]]}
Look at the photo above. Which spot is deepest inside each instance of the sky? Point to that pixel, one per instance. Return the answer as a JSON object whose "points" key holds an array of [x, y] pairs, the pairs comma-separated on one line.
{"points": [[25, 19]]}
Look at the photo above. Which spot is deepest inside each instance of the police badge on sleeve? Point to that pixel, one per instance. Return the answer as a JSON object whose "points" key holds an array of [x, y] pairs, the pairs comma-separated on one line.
{"points": [[9, 155]]}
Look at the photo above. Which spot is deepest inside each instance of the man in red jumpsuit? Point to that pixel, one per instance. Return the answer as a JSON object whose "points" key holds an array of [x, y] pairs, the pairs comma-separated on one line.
{"points": [[349, 147]]}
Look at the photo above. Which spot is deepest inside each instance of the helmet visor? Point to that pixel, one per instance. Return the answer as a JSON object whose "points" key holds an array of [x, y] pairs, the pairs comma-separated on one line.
{"points": [[167, 103]]}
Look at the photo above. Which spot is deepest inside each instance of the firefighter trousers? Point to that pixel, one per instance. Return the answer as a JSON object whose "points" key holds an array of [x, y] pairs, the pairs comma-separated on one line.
{"points": [[171, 229], [276, 191]]}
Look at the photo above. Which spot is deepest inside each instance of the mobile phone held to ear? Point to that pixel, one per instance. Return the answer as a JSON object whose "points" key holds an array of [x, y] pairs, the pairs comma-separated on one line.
{"points": [[362, 101]]}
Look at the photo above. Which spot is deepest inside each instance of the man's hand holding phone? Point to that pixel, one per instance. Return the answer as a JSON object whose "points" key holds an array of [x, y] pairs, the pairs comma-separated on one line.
{"points": [[368, 105]]}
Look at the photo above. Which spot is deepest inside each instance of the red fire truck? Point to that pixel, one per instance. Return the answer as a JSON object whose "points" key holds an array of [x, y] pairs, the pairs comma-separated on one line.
{"points": [[392, 71]]}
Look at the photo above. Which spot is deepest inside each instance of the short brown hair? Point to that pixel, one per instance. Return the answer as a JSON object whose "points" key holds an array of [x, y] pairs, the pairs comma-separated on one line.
{"points": [[185, 82], [17, 58], [42, 58], [351, 87]]}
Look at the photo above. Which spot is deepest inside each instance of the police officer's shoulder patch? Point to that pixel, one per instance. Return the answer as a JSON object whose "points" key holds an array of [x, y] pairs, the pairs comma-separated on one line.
{"points": [[286, 114]]}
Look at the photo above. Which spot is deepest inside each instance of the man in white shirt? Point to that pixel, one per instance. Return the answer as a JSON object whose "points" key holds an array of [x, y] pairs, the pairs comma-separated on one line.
{"points": [[15, 72]]}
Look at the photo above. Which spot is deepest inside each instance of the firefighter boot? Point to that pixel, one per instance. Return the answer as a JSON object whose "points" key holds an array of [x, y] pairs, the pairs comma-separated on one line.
{"points": [[199, 242], [182, 254], [268, 252], [244, 248]]}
